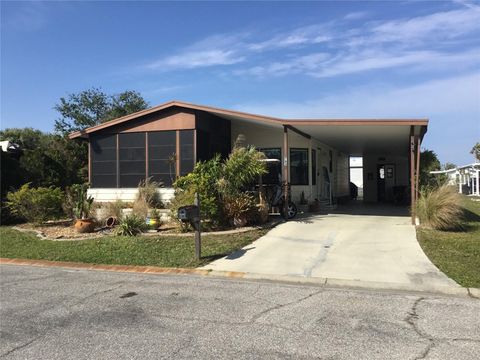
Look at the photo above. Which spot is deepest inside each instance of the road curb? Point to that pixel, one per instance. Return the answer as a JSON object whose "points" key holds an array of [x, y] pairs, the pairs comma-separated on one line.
{"points": [[113, 268], [318, 281], [474, 292]]}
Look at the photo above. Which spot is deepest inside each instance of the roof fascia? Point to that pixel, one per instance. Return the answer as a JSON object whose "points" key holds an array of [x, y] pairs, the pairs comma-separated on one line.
{"points": [[255, 117]]}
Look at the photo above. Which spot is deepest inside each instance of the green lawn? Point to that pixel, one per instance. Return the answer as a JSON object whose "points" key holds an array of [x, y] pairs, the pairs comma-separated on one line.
{"points": [[457, 254], [165, 251]]}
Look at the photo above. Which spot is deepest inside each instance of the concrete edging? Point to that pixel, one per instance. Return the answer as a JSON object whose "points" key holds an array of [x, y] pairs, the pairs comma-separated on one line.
{"points": [[328, 282]]}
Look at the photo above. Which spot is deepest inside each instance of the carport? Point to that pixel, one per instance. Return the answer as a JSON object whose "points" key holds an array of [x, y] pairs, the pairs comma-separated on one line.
{"points": [[390, 149]]}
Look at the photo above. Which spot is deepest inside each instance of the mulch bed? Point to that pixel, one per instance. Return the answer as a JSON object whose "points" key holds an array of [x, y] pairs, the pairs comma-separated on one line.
{"points": [[62, 230]]}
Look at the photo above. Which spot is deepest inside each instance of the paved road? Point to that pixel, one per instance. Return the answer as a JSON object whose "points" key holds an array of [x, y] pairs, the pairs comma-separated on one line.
{"points": [[53, 313], [365, 243]]}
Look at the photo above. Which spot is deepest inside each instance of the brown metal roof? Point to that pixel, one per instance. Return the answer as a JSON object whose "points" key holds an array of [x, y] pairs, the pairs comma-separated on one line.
{"points": [[255, 117]]}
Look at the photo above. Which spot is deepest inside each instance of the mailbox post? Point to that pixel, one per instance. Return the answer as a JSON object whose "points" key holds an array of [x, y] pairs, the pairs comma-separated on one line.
{"points": [[191, 214]]}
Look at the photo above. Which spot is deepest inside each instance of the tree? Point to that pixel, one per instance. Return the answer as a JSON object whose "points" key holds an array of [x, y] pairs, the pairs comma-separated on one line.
{"points": [[125, 103], [449, 165], [429, 162], [45, 160], [476, 151], [93, 106]]}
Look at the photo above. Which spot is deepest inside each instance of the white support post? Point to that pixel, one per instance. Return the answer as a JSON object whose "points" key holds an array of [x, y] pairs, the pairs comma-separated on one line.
{"points": [[460, 180], [477, 181]]}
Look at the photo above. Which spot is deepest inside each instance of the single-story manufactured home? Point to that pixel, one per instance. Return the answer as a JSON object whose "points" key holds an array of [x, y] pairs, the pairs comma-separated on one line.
{"points": [[165, 142]]}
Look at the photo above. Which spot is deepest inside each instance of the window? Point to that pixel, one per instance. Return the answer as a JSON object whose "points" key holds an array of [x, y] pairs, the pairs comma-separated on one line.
{"points": [[162, 156], [299, 166], [272, 153], [103, 152], [131, 149], [186, 152], [314, 167]]}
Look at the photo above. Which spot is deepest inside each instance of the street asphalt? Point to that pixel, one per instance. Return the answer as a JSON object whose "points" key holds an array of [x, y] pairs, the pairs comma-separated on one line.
{"points": [[56, 313]]}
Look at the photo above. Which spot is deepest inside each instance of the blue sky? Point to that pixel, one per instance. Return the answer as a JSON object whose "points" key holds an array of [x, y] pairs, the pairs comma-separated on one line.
{"points": [[285, 59]]}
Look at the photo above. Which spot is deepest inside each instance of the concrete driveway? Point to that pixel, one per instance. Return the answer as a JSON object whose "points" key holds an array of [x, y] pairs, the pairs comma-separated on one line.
{"points": [[356, 243]]}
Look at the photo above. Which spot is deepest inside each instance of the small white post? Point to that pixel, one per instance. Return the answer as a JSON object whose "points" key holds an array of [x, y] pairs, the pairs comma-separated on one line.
{"points": [[477, 187], [459, 182]]}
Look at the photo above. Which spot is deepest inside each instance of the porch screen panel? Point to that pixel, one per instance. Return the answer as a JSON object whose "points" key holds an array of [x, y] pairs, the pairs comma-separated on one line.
{"points": [[162, 156], [186, 152], [131, 159], [103, 152], [299, 166]]}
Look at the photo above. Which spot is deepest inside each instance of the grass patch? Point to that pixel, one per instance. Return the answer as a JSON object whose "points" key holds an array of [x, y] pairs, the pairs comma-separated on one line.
{"points": [[164, 251], [456, 253]]}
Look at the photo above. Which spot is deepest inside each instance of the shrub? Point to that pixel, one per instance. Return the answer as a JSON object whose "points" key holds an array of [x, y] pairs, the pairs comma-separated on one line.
{"points": [[183, 198], [109, 209], [140, 207], [115, 209], [221, 185], [440, 208], [203, 179], [240, 209], [36, 204], [242, 167], [147, 191], [131, 225]]}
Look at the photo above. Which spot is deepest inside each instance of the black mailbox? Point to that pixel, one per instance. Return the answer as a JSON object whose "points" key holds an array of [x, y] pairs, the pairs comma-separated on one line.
{"points": [[188, 213]]}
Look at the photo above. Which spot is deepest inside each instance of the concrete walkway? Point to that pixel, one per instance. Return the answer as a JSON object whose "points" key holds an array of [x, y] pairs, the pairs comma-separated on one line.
{"points": [[368, 244]]}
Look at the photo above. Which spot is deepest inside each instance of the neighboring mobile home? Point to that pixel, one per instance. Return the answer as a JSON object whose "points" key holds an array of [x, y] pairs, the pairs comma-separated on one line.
{"points": [[466, 178], [164, 142]]}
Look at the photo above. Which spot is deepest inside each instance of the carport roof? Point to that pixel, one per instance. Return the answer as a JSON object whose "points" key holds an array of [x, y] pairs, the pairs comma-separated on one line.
{"points": [[348, 135]]}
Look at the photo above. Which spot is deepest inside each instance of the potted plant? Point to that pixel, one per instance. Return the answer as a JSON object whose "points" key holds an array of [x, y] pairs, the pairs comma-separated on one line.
{"points": [[153, 220], [238, 207], [82, 208]]}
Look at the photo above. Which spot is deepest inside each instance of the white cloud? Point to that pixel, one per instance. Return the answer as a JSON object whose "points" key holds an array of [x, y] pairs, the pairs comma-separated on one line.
{"points": [[194, 59], [447, 25], [356, 15], [337, 49], [379, 59], [313, 34], [295, 65], [220, 49], [414, 43], [323, 65], [451, 96]]}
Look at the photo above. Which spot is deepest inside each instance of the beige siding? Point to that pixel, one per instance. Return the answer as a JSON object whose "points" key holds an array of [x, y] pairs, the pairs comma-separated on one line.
{"points": [[266, 136]]}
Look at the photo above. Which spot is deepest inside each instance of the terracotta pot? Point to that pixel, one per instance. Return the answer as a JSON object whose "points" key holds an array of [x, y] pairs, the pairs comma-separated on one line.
{"points": [[85, 225], [111, 222]]}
